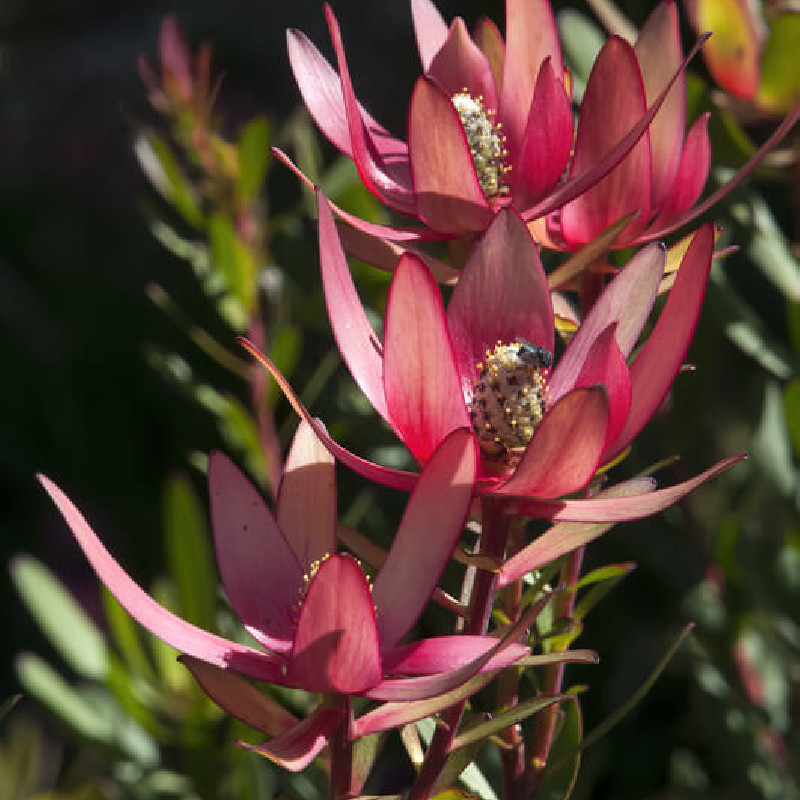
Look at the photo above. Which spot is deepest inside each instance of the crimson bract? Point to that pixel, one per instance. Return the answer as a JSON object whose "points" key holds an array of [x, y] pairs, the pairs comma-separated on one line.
{"points": [[319, 624]]}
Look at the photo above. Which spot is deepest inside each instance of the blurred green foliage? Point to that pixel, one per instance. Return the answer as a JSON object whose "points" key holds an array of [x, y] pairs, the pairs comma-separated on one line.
{"points": [[121, 293]]}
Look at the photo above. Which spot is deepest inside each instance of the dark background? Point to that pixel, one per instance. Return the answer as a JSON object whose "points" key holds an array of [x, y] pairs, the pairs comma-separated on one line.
{"points": [[79, 402]]}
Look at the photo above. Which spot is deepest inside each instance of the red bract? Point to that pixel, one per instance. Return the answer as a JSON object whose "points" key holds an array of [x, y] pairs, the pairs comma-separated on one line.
{"points": [[490, 122], [662, 177], [320, 624], [430, 374]]}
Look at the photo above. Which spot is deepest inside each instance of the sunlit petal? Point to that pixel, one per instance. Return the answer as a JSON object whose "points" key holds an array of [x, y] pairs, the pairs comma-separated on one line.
{"points": [[502, 296], [565, 451], [171, 629], [336, 642], [432, 524], [422, 388], [306, 504], [259, 570], [657, 363], [614, 100], [449, 197]]}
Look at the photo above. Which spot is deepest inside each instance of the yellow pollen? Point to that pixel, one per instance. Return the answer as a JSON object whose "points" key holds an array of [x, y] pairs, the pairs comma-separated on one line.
{"points": [[485, 141], [509, 398]]}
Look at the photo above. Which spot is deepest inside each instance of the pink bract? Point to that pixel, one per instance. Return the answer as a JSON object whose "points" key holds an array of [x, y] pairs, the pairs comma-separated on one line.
{"points": [[420, 379], [319, 624], [631, 154]]}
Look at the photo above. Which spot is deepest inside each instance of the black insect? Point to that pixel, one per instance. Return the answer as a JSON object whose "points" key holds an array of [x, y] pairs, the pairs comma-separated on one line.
{"points": [[534, 355]]}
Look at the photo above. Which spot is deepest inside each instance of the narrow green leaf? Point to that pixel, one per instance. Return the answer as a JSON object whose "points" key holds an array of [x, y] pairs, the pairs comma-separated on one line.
{"points": [[582, 42], [745, 329], [8, 704], [599, 590], [458, 766], [138, 698], [240, 431], [365, 753], [233, 260], [504, 719], [604, 573], [560, 782], [768, 248], [253, 157], [771, 448], [159, 164], [617, 716], [791, 408], [780, 78], [62, 620], [173, 674], [284, 352], [189, 555], [41, 681]]}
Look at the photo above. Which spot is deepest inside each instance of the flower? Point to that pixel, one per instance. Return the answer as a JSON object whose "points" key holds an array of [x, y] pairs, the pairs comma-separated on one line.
{"points": [[484, 364], [663, 175], [490, 124], [320, 624]]}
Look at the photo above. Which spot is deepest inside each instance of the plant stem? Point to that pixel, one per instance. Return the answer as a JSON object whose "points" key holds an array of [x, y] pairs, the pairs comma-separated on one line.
{"points": [[341, 746], [513, 757], [544, 730], [494, 533]]}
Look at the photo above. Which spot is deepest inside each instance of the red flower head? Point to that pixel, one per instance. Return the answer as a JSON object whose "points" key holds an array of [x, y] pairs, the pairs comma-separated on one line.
{"points": [[319, 624], [491, 124], [485, 363]]}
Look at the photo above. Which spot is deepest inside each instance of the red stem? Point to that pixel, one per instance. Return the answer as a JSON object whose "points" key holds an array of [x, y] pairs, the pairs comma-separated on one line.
{"points": [[544, 730], [494, 534], [341, 747]]}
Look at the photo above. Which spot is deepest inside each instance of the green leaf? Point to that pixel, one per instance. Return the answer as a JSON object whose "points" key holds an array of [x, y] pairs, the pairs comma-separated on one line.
{"points": [[504, 719], [745, 329], [41, 681], [559, 783], [365, 753], [240, 430], [253, 157], [604, 573], [768, 247], [233, 260], [451, 794], [62, 620], [189, 555], [284, 352], [172, 672], [161, 167], [603, 580], [617, 716], [582, 41], [468, 774], [791, 408], [771, 447], [459, 767], [780, 78]]}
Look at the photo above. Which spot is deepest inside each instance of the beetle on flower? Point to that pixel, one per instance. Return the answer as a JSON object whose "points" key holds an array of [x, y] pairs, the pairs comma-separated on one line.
{"points": [[483, 364]]}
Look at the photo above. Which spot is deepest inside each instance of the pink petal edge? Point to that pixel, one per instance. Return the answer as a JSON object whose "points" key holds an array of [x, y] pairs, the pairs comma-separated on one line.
{"points": [[171, 629]]}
